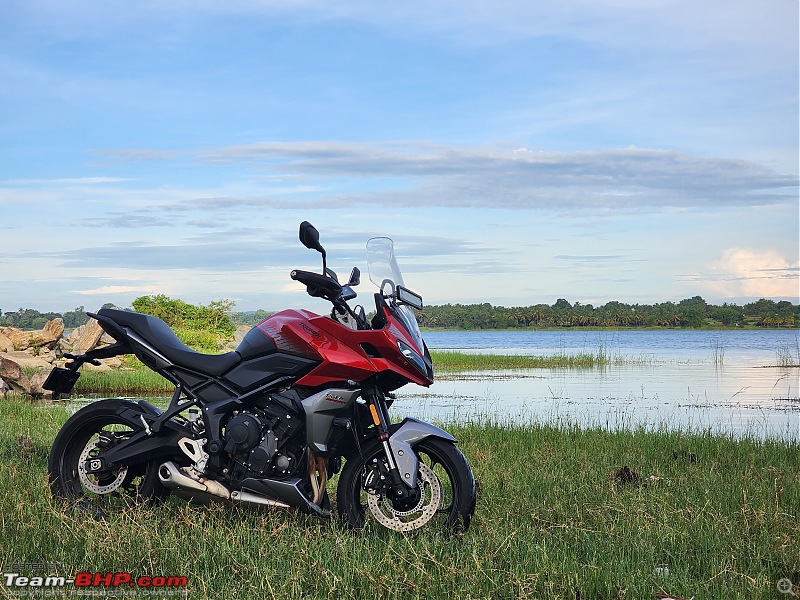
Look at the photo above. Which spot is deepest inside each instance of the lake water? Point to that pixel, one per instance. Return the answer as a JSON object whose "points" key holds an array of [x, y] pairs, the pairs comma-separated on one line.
{"points": [[726, 381]]}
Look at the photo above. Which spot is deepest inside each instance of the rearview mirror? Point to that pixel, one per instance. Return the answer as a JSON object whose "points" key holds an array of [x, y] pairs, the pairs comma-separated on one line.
{"points": [[309, 237], [355, 276], [406, 296]]}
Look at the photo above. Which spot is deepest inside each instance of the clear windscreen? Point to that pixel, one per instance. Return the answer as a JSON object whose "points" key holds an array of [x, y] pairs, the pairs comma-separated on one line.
{"points": [[381, 262], [382, 265]]}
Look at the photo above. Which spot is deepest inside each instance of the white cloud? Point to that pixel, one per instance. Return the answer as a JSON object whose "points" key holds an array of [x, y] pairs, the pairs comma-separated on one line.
{"points": [[755, 273], [479, 176]]}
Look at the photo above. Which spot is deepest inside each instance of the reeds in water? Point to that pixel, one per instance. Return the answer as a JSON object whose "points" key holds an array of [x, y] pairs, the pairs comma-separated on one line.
{"points": [[460, 361]]}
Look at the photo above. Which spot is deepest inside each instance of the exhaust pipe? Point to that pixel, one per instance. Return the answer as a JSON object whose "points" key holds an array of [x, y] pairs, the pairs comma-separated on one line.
{"points": [[255, 499], [172, 478], [204, 489]]}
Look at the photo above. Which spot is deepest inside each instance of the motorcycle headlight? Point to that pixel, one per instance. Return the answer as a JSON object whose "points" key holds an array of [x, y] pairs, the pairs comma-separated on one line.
{"points": [[413, 356]]}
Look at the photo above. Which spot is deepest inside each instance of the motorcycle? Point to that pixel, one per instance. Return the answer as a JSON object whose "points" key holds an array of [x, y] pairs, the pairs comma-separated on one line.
{"points": [[303, 398]]}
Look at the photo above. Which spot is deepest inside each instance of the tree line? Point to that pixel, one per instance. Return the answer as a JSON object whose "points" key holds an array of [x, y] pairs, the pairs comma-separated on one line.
{"points": [[29, 318], [695, 312], [217, 317], [690, 313]]}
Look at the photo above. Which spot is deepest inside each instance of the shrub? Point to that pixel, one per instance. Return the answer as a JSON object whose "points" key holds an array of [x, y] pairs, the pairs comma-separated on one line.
{"points": [[182, 315]]}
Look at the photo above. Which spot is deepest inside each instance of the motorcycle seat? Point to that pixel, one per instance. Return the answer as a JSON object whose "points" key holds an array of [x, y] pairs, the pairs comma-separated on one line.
{"points": [[160, 336]]}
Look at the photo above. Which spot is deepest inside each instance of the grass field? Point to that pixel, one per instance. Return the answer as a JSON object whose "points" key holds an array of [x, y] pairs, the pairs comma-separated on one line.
{"points": [[116, 381], [710, 517]]}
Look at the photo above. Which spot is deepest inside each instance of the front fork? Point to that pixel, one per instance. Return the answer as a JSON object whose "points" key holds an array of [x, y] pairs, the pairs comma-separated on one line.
{"points": [[381, 420]]}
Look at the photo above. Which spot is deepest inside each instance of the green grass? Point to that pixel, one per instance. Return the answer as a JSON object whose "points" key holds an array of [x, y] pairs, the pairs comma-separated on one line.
{"points": [[133, 381], [788, 355], [717, 518]]}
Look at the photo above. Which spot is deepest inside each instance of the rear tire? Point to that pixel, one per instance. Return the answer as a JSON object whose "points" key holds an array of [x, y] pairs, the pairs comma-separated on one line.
{"points": [[81, 436], [445, 479]]}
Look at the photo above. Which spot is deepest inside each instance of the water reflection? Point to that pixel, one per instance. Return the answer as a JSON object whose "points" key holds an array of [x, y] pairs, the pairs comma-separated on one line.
{"points": [[736, 399]]}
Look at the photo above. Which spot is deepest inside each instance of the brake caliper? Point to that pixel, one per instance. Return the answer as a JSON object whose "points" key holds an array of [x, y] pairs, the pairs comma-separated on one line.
{"points": [[376, 477]]}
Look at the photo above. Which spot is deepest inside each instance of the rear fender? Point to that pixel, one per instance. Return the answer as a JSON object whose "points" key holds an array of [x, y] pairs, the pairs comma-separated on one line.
{"points": [[410, 432]]}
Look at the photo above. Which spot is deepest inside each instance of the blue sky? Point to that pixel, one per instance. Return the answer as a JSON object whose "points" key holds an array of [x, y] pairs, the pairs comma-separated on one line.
{"points": [[517, 152]]}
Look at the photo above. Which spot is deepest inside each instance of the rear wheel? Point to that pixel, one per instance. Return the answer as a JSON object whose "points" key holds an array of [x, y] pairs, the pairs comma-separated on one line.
{"points": [[91, 430], [445, 492]]}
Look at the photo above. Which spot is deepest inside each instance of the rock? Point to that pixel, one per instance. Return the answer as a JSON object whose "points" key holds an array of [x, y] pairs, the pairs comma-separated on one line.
{"points": [[115, 362], [47, 354], [14, 376], [241, 331], [88, 337], [101, 367], [24, 359], [4, 389], [22, 340], [6, 345], [37, 381], [55, 328]]}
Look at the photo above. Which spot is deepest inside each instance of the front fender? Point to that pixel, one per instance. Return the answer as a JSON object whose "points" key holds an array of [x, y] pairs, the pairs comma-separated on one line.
{"points": [[401, 442]]}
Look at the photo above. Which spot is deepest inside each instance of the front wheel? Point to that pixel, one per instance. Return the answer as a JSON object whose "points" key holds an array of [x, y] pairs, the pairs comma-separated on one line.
{"points": [[445, 491]]}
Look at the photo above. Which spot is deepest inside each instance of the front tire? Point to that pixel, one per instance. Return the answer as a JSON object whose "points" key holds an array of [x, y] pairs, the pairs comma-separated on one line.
{"points": [[446, 489], [93, 427]]}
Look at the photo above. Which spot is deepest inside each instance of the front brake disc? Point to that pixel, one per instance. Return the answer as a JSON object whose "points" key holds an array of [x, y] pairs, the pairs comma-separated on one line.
{"points": [[430, 501]]}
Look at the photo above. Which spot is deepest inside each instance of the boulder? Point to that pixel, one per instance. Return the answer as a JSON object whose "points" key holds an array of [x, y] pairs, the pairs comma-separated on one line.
{"points": [[87, 337], [13, 375], [25, 359], [55, 328], [106, 364], [37, 381], [4, 389], [21, 340], [47, 354], [6, 345], [241, 331]]}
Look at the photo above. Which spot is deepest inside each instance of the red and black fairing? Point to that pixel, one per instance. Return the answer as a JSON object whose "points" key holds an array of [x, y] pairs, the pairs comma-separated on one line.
{"points": [[343, 353], [256, 365]]}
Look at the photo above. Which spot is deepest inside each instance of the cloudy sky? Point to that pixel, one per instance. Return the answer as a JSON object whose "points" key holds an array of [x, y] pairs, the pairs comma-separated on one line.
{"points": [[516, 151]]}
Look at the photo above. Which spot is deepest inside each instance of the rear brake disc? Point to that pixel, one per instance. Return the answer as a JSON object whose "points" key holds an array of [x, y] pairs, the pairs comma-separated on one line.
{"points": [[98, 484]]}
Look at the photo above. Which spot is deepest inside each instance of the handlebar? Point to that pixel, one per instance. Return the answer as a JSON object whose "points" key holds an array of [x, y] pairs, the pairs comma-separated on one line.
{"points": [[317, 285], [324, 286]]}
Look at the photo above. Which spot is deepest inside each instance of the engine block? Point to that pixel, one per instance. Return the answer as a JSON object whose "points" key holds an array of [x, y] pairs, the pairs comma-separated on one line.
{"points": [[266, 441]]}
